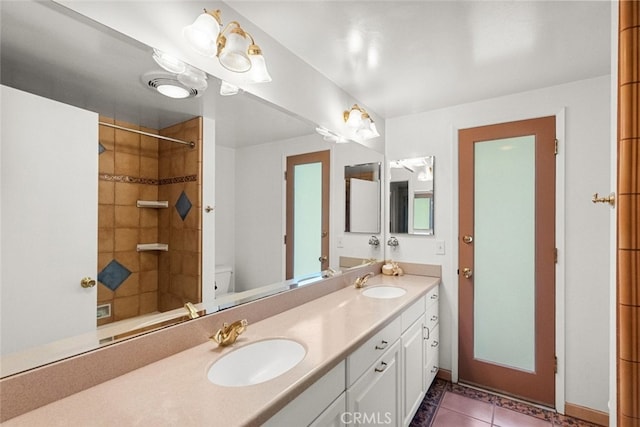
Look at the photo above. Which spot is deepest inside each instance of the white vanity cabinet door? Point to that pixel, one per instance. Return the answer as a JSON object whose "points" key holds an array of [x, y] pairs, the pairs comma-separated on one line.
{"points": [[375, 398], [412, 370], [334, 415], [305, 408]]}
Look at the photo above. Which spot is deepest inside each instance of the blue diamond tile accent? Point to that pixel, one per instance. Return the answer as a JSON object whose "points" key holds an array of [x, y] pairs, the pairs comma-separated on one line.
{"points": [[101, 149], [183, 205], [113, 275]]}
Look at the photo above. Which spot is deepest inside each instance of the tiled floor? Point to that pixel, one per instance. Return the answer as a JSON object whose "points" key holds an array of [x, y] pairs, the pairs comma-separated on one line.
{"points": [[453, 405]]}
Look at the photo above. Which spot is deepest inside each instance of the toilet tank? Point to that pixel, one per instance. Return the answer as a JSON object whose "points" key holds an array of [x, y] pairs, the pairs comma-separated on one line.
{"points": [[223, 279]]}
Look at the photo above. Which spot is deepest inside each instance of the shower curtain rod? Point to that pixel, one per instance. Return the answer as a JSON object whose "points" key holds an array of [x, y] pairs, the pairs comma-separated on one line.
{"points": [[166, 138]]}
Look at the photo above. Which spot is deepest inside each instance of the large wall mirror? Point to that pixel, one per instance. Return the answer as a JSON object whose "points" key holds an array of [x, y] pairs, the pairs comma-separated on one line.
{"points": [[59, 65], [362, 198], [411, 201]]}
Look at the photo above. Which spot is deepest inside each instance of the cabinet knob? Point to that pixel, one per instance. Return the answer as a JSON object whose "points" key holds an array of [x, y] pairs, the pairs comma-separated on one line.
{"points": [[434, 369], [434, 318], [382, 345], [381, 368], [434, 344]]}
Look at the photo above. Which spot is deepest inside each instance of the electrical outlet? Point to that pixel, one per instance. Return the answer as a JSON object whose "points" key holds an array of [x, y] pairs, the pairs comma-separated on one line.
{"points": [[439, 247]]}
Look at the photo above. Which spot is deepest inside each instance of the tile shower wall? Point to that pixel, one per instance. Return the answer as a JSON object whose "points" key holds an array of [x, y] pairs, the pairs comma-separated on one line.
{"points": [[136, 167], [180, 171]]}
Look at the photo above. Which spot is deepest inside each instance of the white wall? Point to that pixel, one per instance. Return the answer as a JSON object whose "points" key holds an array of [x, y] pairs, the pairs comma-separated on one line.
{"points": [[260, 208], [225, 180], [585, 150], [250, 207]]}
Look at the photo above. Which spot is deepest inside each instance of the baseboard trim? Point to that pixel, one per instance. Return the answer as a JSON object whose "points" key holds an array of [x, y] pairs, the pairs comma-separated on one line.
{"points": [[587, 414], [444, 374]]}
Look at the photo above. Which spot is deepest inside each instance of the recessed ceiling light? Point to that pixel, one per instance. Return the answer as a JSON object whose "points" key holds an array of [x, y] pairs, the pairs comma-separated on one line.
{"points": [[173, 91], [168, 85]]}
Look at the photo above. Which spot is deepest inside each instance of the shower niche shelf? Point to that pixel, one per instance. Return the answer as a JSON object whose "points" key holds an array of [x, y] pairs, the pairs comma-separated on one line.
{"points": [[145, 247], [153, 204]]}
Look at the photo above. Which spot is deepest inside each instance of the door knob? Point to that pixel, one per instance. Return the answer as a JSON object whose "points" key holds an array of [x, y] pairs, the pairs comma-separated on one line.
{"points": [[87, 282], [467, 273], [323, 258], [467, 239]]}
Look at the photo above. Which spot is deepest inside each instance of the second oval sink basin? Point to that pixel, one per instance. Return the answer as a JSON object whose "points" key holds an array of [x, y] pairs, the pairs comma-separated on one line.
{"points": [[384, 292], [256, 363]]}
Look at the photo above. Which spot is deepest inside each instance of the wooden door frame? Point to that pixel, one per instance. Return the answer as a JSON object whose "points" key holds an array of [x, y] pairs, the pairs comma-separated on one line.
{"points": [[324, 157], [552, 221]]}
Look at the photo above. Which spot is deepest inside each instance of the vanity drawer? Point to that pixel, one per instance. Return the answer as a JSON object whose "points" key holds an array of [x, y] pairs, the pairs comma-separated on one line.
{"points": [[432, 316], [360, 360], [432, 343], [432, 297], [413, 313]]}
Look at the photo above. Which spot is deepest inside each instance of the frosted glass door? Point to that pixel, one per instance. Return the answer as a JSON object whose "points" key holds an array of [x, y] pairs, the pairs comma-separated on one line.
{"points": [[504, 258], [308, 219]]}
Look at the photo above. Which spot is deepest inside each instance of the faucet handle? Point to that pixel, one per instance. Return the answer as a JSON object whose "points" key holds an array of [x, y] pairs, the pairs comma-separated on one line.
{"points": [[228, 334]]}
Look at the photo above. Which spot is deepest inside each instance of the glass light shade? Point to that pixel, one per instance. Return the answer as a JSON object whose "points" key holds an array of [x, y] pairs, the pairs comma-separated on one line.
{"points": [[168, 62], [234, 56], [227, 89], [355, 119], [367, 129], [258, 73], [374, 130], [193, 78], [202, 34], [173, 91]]}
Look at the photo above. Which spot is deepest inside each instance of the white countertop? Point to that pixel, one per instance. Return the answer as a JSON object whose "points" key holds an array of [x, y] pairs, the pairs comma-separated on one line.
{"points": [[176, 391]]}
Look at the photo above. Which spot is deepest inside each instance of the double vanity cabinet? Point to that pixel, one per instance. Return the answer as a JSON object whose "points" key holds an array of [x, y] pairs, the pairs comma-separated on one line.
{"points": [[382, 382], [369, 357]]}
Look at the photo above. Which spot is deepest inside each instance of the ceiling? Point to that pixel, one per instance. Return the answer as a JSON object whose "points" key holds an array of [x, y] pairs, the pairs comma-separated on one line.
{"points": [[396, 58], [403, 57]]}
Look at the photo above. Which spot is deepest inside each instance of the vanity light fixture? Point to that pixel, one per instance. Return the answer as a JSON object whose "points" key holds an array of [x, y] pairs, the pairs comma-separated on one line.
{"points": [[359, 120], [235, 48]]}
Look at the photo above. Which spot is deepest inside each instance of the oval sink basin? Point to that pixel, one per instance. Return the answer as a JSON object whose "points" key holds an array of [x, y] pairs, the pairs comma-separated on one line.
{"points": [[256, 363], [384, 292]]}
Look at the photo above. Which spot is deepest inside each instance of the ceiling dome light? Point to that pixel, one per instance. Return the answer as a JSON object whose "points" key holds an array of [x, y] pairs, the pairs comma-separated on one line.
{"points": [[168, 85], [176, 92], [233, 51], [202, 35], [168, 62]]}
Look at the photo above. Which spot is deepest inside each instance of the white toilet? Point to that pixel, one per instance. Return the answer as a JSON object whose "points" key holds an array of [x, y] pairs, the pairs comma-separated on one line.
{"points": [[223, 279]]}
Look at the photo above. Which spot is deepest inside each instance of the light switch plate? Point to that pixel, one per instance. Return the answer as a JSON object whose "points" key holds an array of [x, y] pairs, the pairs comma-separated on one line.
{"points": [[439, 247], [340, 242]]}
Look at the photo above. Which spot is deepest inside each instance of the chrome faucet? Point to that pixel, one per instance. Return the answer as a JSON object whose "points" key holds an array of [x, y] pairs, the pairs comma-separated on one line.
{"points": [[361, 280], [228, 334]]}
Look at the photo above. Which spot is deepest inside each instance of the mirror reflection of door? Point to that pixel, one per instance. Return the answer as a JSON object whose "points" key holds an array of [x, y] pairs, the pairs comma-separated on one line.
{"points": [[362, 198], [411, 185], [506, 254], [307, 238], [399, 206]]}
